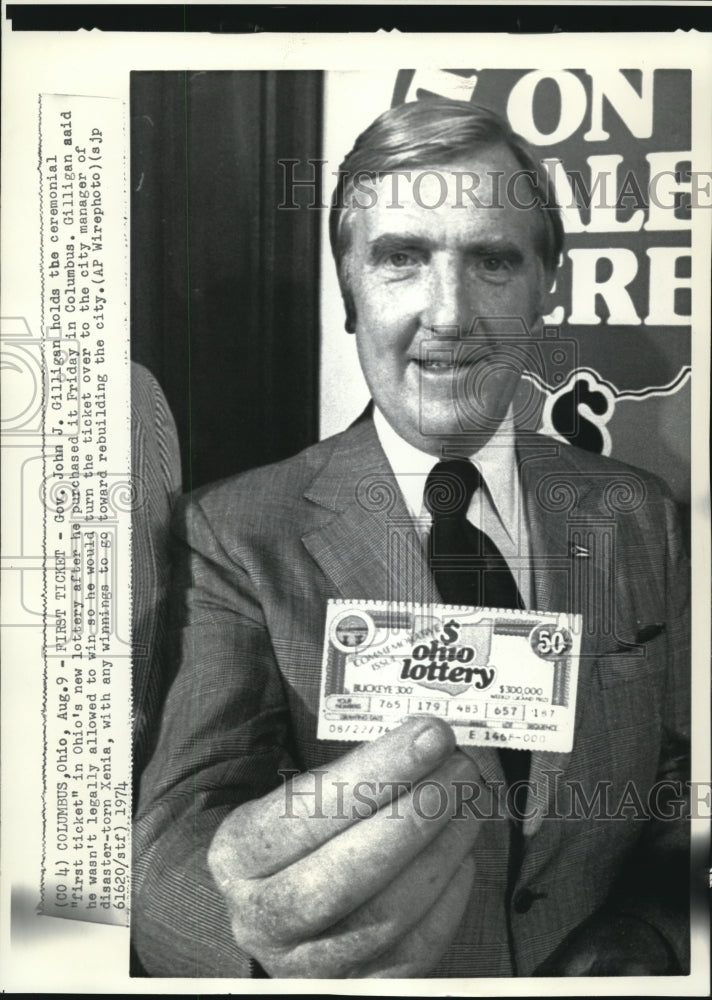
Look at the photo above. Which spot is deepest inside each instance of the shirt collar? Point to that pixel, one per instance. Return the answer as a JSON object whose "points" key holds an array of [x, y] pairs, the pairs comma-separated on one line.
{"points": [[496, 460]]}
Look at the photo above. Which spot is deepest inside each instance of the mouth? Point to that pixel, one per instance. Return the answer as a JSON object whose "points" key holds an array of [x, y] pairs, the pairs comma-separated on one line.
{"points": [[444, 364], [437, 366]]}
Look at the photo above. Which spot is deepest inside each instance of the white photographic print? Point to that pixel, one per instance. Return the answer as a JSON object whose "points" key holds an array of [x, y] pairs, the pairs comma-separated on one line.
{"points": [[355, 513]]}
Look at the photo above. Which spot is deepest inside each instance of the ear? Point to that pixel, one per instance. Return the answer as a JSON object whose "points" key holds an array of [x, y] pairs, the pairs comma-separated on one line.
{"points": [[350, 307], [547, 286], [535, 327]]}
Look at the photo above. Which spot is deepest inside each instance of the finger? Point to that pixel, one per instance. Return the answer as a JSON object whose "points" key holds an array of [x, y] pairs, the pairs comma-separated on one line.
{"points": [[266, 835], [323, 887], [380, 923], [420, 950]]}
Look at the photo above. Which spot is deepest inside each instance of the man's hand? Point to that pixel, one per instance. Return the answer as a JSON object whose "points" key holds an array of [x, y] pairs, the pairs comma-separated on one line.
{"points": [[328, 894], [611, 946]]}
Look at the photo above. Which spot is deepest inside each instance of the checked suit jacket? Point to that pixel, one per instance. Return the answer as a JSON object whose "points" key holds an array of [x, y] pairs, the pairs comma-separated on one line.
{"points": [[258, 555]]}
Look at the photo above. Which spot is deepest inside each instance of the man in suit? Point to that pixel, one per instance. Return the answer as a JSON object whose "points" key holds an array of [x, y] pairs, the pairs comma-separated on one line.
{"points": [[237, 875]]}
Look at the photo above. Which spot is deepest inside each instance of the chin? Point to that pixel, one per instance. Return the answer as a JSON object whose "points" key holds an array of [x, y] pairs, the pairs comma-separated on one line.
{"points": [[465, 424]]}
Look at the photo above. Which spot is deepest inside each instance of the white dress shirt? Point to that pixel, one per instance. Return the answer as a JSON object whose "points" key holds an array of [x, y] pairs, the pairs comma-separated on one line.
{"points": [[496, 509]]}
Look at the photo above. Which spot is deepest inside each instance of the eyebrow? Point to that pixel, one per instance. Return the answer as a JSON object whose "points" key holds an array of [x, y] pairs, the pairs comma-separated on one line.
{"points": [[389, 242]]}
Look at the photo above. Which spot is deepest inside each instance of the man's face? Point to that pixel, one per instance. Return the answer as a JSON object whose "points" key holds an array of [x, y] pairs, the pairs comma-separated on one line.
{"points": [[421, 276]]}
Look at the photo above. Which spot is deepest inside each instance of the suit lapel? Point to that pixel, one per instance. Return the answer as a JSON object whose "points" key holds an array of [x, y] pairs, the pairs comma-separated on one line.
{"points": [[369, 549], [554, 491]]}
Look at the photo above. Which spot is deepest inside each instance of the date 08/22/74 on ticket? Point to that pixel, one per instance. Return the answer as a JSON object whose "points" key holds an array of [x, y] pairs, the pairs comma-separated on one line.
{"points": [[499, 677]]}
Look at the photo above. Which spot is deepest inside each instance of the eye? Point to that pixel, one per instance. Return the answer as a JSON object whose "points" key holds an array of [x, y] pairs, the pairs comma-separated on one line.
{"points": [[493, 264], [497, 267], [399, 259]]}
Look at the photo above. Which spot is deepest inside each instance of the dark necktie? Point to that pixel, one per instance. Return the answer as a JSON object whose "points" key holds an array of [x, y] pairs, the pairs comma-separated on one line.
{"points": [[467, 565]]}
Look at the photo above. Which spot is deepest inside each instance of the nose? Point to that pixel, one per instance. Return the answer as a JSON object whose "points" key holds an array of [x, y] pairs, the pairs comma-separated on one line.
{"points": [[447, 309]]}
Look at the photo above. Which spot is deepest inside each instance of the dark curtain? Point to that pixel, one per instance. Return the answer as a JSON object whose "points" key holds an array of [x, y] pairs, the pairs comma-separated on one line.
{"points": [[224, 283]]}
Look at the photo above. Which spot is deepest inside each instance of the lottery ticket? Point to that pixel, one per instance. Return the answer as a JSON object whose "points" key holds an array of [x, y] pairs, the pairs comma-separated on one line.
{"points": [[499, 677]]}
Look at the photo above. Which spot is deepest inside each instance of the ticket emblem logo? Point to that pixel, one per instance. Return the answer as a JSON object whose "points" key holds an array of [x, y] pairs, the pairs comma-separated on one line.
{"points": [[351, 629]]}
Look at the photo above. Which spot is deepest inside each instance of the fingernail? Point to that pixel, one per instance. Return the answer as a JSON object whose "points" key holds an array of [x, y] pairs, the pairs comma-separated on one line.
{"points": [[434, 740]]}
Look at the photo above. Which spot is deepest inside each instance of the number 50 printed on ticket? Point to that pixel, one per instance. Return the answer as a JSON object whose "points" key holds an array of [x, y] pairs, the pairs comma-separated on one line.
{"points": [[499, 677]]}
